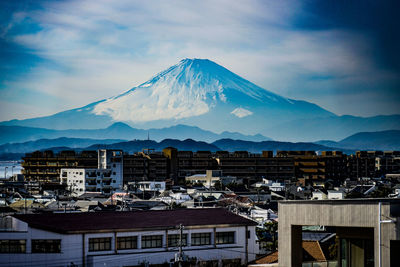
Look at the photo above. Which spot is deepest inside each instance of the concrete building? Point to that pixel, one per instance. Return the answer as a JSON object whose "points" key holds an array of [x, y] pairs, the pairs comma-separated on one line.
{"points": [[151, 186], [45, 167], [367, 230], [106, 178], [211, 177], [126, 238]]}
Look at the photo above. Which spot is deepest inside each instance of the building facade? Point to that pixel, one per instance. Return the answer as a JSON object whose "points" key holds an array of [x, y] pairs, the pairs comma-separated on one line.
{"points": [[367, 230], [127, 238]]}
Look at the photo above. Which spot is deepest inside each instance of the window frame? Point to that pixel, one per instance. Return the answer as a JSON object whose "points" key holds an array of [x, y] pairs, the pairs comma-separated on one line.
{"points": [[155, 241], [201, 237], [132, 240], [222, 238], [50, 246], [173, 240], [103, 243], [9, 246]]}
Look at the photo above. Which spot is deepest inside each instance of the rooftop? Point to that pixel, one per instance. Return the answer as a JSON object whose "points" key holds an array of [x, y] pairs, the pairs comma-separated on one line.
{"points": [[131, 220]]}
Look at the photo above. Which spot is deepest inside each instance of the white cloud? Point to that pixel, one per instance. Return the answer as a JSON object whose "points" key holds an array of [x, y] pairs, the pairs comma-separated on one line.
{"points": [[241, 112], [97, 49]]}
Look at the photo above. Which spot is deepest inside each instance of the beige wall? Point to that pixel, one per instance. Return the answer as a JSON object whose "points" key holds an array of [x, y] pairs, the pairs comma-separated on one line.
{"points": [[343, 213]]}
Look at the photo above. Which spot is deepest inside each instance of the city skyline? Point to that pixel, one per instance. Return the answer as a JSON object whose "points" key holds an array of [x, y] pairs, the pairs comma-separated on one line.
{"points": [[341, 56]]}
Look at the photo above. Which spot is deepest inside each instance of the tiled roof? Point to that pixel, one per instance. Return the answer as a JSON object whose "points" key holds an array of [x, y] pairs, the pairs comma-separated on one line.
{"points": [[271, 258], [314, 250], [131, 220]]}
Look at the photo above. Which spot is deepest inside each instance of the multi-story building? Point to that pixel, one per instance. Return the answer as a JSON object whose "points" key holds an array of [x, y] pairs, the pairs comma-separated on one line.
{"points": [[362, 164], [127, 238], [317, 168], [189, 163], [45, 167], [145, 166], [388, 163], [106, 178], [174, 165]]}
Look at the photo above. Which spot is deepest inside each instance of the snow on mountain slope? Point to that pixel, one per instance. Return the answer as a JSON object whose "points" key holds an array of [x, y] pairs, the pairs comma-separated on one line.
{"points": [[194, 92], [190, 88]]}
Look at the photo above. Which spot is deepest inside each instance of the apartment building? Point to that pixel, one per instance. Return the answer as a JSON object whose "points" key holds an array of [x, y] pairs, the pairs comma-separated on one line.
{"points": [[126, 238], [45, 167], [106, 178]]}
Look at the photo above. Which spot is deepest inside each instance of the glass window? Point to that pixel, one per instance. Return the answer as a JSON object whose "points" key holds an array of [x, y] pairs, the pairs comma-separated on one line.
{"points": [[127, 242], [199, 239], [173, 240], [46, 246], [152, 241], [225, 238], [100, 244], [12, 246]]}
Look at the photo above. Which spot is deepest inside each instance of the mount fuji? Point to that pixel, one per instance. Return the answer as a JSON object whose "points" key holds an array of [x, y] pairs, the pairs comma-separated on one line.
{"points": [[195, 92]]}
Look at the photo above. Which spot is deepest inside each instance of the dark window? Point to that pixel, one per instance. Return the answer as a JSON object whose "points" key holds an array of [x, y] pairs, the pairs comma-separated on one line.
{"points": [[127, 242], [100, 244], [152, 241], [12, 246], [46, 246], [173, 240], [200, 239], [225, 238]]}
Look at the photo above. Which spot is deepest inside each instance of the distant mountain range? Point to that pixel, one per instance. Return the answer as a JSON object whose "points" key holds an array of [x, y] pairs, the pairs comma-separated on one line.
{"points": [[332, 128], [384, 140], [119, 130], [41, 144], [199, 93]]}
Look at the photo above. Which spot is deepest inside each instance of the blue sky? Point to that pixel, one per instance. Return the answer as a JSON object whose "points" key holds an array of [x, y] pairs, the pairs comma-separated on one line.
{"points": [[58, 55]]}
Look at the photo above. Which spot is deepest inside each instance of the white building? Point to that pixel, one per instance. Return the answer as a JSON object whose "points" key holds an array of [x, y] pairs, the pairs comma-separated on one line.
{"points": [[151, 186], [210, 177], [125, 238], [273, 186], [107, 178], [334, 194], [319, 195]]}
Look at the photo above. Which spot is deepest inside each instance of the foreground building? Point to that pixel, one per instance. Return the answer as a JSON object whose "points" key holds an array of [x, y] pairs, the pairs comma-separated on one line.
{"points": [[367, 230], [126, 238]]}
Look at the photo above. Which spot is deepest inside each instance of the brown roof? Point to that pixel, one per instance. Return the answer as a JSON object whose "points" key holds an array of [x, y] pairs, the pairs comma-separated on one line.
{"points": [[271, 258], [314, 250], [131, 220]]}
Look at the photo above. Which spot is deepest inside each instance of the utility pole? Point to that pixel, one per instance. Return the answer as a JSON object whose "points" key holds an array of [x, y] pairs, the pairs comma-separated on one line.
{"points": [[179, 257]]}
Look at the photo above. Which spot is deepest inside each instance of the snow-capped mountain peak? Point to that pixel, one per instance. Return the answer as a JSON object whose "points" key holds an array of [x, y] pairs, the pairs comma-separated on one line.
{"points": [[190, 88]]}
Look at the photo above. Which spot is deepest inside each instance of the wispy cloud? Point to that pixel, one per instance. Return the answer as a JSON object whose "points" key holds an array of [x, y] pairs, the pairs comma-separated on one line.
{"points": [[92, 50]]}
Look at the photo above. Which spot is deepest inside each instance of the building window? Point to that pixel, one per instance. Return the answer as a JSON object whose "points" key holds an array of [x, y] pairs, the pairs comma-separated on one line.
{"points": [[173, 240], [225, 238], [152, 241], [46, 246], [12, 246], [127, 242], [200, 239], [100, 244]]}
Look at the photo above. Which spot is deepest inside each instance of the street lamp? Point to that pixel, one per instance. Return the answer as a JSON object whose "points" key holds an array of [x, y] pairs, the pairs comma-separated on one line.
{"points": [[5, 172], [12, 171]]}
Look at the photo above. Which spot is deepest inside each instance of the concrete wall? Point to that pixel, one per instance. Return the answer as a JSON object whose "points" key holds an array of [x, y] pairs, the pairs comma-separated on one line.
{"points": [[344, 213]]}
